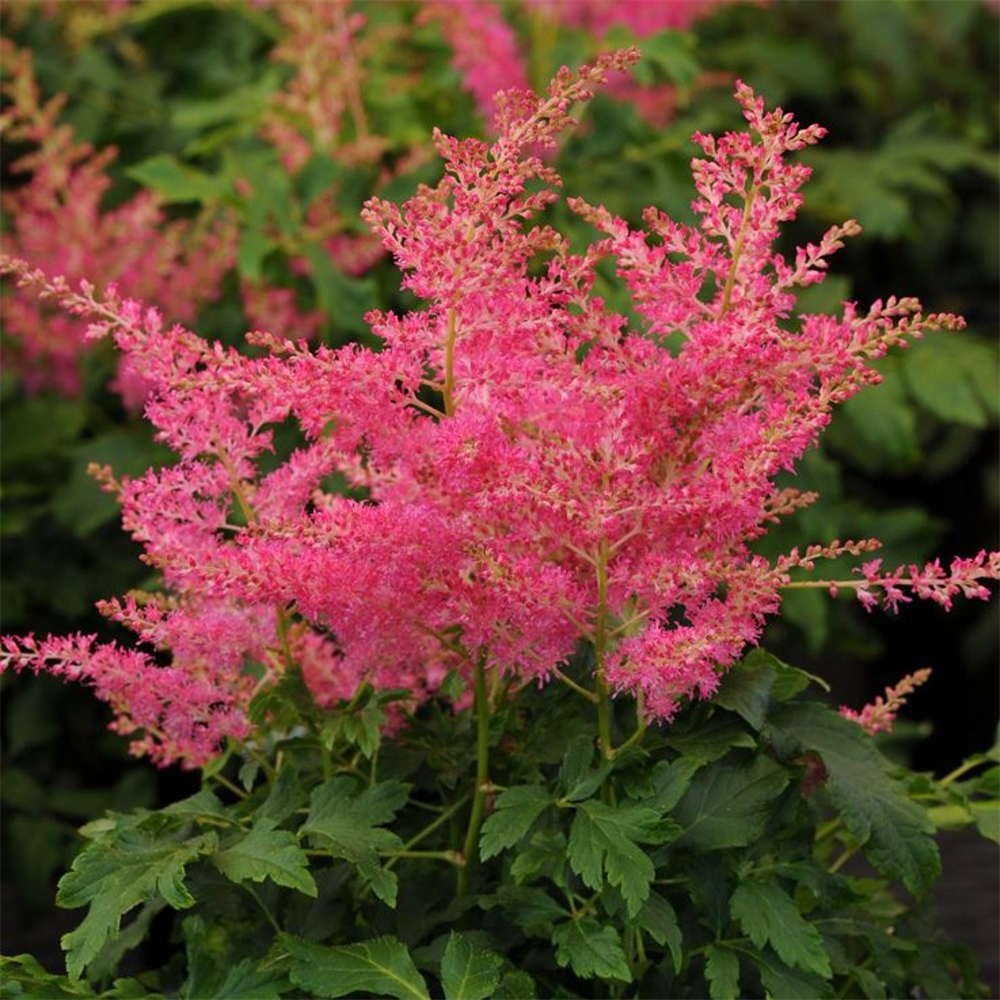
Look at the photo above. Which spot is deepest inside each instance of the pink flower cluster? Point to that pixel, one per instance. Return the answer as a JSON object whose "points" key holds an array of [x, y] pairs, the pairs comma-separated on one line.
{"points": [[490, 58], [59, 223], [527, 471], [879, 716]]}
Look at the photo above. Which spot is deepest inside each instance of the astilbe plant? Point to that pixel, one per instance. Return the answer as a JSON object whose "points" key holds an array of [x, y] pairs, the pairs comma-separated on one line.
{"points": [[530, 474], [545, 513]]}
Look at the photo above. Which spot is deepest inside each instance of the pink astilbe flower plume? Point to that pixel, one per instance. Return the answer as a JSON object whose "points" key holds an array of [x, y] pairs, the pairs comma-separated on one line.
{"points": [[879, 716], [58, 223], [527, 472]]}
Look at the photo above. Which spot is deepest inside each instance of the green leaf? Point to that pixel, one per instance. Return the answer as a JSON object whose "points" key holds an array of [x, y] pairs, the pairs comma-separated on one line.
{"points": [[80, 504], [746, 690], [245, 981], [380, 967], [603, 840], [348, 826], [659, 920], [267, 853], [769, 916], [955, 378], [23, 976], [729, 804], [783, 983], [116, 874], [575, 776], [515, 985], [709, 740], [527, 906], [591, 949], [468, 972], [515, 811], [671, 779], [894, 832], [878, 427], [177, 181], [38, 426], [987, 817], [988, 782], [722, 970]]}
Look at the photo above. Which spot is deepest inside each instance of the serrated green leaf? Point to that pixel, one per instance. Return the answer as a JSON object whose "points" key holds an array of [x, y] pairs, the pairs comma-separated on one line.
{"points": [[712, 739], [348, 826], [871, 985], [527, 906], [245, 981], [515, 985], [23, 976], [671, 779], [894, 832], [115, 875], [576, 777], [590, 950], [265, 852], [515, 811], [468, 972], [768, 915], [285, 796], [722, 971], [783, 983], [728, 804], [603, 841], [659, 920], [198, 806], [380, 967], [746, 690]]}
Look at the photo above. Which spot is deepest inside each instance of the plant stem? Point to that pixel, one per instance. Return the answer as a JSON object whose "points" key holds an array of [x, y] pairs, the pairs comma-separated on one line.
{"points": [[600, 649], [449, 364], [482, 772], [738, 249], [960, 770], [426, 831]]}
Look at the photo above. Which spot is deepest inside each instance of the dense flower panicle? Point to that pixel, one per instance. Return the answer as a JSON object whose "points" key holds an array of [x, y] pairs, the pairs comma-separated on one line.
{"points": [[59, 225], [486, 52], [323, 101], [527, 472], [181, 712]]}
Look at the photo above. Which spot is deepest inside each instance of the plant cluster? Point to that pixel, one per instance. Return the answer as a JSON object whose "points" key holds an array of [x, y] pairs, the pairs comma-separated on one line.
{"points": [[465, 587], [538, 492]]}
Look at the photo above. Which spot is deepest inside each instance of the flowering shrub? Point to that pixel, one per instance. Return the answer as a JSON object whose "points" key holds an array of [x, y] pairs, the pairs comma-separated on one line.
{"points": [[542, 543]]}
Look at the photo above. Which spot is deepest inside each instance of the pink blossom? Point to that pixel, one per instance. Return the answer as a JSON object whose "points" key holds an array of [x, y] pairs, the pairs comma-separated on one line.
{"points": [[527, 471], [59, 225], [880, 715]]}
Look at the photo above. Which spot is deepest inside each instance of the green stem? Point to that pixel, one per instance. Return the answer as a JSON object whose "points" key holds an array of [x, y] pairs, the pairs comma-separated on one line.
{"points": [[600, 650], [428, 830], [452, 857], [482, 772], [962, 768], [449, 364]]}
